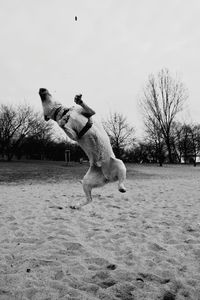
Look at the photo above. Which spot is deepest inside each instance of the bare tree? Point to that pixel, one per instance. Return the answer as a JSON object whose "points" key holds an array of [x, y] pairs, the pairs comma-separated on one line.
{"points": [[39, 128], [13, 127], [179, 140], [16, 123], [195, 135], [155, 137], [120, 132], [162, 100], [187, 141], [39, 138], [190, 142]]}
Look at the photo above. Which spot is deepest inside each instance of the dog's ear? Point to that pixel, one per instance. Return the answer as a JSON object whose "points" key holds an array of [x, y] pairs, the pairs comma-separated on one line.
{"points": [[46, 118]]}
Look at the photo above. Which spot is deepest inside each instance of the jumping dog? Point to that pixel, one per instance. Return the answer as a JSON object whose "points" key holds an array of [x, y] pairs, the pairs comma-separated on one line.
{"points": [[78, 124]]}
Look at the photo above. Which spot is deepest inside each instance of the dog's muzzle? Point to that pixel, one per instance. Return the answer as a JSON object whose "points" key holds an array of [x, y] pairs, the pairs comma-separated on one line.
{"points": [[43, 93], [42, 90]]}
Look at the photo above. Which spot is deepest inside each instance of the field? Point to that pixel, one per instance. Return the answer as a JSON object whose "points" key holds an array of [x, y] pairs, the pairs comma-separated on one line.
{"points": [[144, 244]]}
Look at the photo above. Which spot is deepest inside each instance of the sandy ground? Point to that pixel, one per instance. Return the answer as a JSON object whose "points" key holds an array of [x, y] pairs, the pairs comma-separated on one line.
{"points": [[144, 244]]}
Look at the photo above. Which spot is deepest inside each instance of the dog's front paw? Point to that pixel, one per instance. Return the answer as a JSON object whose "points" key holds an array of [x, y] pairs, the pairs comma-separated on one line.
{"points": [[78, 99]]}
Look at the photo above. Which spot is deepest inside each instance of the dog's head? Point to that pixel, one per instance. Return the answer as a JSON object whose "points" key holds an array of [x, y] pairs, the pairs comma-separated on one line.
{"points": [[49, 106]]}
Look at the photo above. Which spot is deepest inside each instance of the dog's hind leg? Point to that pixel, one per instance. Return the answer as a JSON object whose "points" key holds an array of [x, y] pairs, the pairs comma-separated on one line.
{"points": [[93, 178], [118, 171]]}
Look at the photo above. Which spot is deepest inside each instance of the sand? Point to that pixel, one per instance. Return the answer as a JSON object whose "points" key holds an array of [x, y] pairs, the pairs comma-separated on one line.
{"points": [[144, 244]]}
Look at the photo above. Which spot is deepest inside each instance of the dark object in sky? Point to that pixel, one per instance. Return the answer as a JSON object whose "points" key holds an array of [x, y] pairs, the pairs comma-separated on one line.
{"points": [[75, 18]]}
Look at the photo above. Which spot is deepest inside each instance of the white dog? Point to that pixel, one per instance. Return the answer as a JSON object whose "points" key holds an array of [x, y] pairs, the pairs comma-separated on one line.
{"points": [[77, 123]]}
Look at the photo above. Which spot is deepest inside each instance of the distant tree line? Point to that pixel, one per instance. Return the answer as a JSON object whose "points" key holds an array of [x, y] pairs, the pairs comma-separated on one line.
{"points": [[184, 146], [25, 134]]}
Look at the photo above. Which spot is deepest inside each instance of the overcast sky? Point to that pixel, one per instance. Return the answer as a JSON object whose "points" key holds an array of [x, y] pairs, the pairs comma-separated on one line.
{"points": [[107, 54]]}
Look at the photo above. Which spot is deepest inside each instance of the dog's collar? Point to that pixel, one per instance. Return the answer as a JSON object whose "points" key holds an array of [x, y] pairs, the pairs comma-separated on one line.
{"points": [[83, 131], [87, 126], [58, 110]]}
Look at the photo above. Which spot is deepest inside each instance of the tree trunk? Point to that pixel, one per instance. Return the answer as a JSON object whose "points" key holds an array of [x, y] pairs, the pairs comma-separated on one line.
{"points": [[168, 144], [9, 156]]}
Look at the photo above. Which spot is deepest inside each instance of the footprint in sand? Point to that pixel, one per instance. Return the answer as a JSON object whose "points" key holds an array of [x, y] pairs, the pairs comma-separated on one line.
{"points": [[73, 248], [103, 276], [97, 261], [100, 262], [58, 275], [117, 290], [156, 247]]}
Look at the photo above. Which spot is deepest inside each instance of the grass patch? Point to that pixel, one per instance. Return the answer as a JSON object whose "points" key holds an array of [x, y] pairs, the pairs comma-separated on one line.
{"points": [[36, 171]]}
